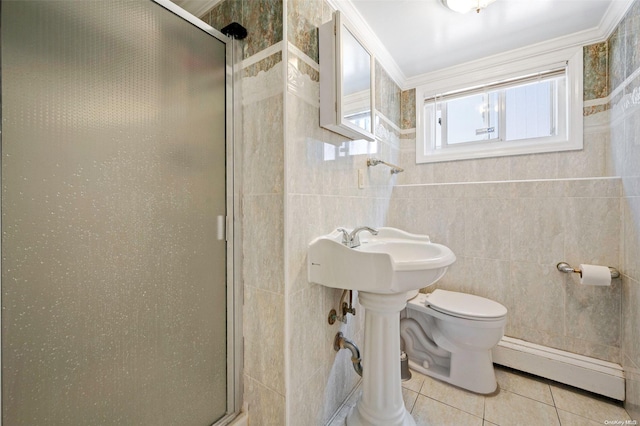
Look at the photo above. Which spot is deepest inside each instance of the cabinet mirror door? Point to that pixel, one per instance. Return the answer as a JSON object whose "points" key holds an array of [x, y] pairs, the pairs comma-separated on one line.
{"points": [[356, 83], [346, 81]]}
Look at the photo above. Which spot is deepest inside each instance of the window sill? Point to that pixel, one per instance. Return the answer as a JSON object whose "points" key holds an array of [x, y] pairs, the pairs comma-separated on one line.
{"points": [[498, 149]]}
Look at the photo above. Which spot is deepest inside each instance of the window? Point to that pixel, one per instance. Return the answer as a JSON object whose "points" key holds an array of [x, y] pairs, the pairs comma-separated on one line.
{"points": [[517, 113]]}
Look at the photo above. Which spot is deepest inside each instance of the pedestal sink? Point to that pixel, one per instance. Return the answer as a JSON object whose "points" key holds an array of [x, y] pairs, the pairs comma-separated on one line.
{"points": [[383, 268]]}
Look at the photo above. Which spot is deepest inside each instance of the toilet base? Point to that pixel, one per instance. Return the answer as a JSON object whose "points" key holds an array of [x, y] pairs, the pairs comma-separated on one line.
{"points": [[469, 370]]}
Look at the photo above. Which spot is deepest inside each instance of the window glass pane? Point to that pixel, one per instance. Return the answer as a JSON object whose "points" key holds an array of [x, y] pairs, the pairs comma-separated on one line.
{"points": [[472, 118], [530, 110]]}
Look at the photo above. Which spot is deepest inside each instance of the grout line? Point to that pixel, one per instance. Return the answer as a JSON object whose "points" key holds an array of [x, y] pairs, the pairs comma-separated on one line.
{"points": [[454, 407]]}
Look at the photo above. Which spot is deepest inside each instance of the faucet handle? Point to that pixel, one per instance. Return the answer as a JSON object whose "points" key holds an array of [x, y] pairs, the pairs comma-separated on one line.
{"points": [[346, 239], [355, 238]]}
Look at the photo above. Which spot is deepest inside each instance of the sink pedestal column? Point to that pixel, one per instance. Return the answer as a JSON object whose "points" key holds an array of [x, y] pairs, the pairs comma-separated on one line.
{"points": [[381, 403]]}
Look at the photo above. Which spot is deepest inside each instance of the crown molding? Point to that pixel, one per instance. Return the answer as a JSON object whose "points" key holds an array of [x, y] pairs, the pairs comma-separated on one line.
{"points": [[610, 20], [613, 16]]}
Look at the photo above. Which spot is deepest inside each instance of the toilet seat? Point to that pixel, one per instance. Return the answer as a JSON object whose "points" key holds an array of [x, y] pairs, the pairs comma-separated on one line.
{"points": [[464, 305]]}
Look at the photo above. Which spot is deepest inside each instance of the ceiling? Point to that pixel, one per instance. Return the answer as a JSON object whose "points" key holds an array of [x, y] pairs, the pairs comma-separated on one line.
{"points": [[412, 38]]}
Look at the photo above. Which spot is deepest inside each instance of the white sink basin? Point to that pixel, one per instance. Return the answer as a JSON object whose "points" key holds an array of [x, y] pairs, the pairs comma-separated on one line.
{"points": [[393, 261]]}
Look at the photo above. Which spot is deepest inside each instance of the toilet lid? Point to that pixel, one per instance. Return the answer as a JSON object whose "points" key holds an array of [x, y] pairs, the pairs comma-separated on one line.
{"points": [[464, 305]]}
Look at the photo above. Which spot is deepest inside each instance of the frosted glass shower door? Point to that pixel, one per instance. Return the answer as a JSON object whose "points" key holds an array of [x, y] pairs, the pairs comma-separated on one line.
{"points": [[113, 189]]}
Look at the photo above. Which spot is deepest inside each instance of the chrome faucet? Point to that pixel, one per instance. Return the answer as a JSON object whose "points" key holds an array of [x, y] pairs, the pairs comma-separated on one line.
{"points": [[352, 239]]}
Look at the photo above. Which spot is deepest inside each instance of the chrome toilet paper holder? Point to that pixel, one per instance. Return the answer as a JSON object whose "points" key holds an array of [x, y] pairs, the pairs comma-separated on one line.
{"points": [[568, 269]]}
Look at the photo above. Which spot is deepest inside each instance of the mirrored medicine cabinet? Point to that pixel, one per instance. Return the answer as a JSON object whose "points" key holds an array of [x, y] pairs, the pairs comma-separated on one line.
{"points": [[346, 81]]}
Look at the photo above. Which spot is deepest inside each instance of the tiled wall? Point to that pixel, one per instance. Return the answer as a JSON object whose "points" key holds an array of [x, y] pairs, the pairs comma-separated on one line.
{"points": [[624, 84], [300, 181], [262, 115], [510, 234], [321, 195]]}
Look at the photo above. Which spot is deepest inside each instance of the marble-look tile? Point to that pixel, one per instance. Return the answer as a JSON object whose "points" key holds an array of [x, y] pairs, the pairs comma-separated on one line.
{"points": [[508, 408], [591, 161], [595, 62], [631, 321], [592, 348], [409, 397], [486, 189], [570, 419], [524, 385], [487, 228], [305, 407], [304, 18], [592, 110], [415, 383], [267, 407], [586, 405], [263, 65], [224, 13], [443, 220], [387, 96], [304, 344], [414, 173], [593, 188], [263, 134], [592, 231], [428, 412], [489, 278], [618, 145], [617, 54], [299, 237], [263, 246], [632, 378], [534, 166], [265, 20], [461, 399], [632, 28], [455, 279], [264, 338], [537, 230], [593, 313], [480, 170], [538, 189], [538, 293], [553, 339], [408, 214], [631, 141], [341, 383], [408, 109]]}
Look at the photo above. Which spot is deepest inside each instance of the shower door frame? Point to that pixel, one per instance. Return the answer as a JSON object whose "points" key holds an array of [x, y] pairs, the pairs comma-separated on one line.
{"points": [[234, 295], [234, 285]]}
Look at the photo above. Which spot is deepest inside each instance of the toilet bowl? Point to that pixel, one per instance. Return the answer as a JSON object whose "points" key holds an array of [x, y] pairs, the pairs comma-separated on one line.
{"points": [[449, 336]]}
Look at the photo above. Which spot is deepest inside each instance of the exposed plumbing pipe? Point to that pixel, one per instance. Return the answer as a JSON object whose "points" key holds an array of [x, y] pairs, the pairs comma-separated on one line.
{"points": [[346, 308], [341, 342]]}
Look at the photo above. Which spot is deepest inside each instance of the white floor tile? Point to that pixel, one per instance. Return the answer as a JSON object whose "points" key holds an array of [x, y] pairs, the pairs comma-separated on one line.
{"points": [[429, 412], [584, 405], [510, 409]]}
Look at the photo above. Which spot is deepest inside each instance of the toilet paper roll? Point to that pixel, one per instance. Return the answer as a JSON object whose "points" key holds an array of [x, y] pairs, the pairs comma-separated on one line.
{"points": [[595, 275]]}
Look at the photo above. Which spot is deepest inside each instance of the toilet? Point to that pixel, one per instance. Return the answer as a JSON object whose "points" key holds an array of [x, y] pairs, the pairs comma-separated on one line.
{"points": [[449, 336]]}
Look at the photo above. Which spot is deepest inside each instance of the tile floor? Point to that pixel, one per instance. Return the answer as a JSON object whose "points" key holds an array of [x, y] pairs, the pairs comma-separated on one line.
{"points": [[521, 400]]}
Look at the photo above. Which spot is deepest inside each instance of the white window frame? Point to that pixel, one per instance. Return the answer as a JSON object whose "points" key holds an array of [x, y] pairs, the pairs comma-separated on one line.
{"points": [[490, 73]]}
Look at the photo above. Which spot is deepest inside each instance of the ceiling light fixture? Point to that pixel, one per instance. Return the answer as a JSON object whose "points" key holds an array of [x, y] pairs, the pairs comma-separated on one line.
{"points": [[463, 6]]}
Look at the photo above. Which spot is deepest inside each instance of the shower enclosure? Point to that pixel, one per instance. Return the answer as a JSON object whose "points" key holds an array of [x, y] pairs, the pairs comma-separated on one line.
{"points": [[118, 289]]}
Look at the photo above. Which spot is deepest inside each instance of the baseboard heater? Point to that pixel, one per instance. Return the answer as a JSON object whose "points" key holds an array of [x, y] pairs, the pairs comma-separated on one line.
{"points": [[594, 375]]}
